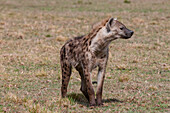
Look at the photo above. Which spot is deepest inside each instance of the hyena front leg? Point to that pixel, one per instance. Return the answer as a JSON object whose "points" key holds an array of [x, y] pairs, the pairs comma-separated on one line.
{"points": [[100, 81], [66, 73]]}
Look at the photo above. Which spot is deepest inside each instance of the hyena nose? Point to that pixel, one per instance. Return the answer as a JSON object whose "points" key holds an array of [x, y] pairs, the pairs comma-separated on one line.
{"points": [[131, 33]]}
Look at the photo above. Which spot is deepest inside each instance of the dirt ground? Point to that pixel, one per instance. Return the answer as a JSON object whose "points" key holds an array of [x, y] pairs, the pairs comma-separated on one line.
{"points": [[33, 31]]}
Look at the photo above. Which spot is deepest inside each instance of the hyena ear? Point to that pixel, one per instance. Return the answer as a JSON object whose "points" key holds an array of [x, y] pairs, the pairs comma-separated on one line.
{"points": [[109, 24]]}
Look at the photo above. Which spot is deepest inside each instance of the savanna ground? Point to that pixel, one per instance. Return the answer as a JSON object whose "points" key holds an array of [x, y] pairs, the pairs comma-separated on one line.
{"points": [[33, 31]]}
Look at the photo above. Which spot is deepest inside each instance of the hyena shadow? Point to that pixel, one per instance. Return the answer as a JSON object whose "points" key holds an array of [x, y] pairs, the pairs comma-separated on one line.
{"points": [[78, 98], [81, 99]]}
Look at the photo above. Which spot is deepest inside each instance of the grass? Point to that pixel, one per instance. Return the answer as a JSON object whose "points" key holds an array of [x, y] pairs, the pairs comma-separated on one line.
{"points": [[32, 33]]}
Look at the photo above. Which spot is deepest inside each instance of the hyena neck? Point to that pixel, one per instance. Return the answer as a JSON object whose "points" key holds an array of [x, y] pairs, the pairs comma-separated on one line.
{"points": [[96, 41], [100, 42]]}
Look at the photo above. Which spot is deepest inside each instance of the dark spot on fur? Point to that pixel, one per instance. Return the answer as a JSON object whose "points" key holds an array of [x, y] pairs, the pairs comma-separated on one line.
{"points": [[62, 81], [62, 57], [85, 41], [64, 76], [64, 52], [86, 55], [70, 67], [87, 49], [74, 46], [71, 50], [70, 44], [65, 65], [79, 37], [90, 42], [103, 56]]}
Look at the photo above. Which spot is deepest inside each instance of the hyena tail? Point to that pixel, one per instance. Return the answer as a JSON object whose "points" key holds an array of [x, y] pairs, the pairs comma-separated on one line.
{"points": [[66, 69]]}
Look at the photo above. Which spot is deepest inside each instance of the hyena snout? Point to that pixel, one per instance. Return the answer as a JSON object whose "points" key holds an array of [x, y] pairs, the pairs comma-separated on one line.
{"points": [[130, 33], [127, 33]]}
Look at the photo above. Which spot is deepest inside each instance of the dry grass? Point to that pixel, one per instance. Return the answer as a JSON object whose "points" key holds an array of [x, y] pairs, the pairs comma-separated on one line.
{"points": [[32, 33]]}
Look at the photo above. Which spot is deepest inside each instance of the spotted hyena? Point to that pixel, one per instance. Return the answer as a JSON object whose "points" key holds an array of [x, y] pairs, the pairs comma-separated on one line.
{"points": [[88, 52]]}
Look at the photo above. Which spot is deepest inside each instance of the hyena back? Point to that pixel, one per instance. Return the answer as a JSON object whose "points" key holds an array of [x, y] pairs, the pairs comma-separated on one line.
{"points": [[88, 52]]}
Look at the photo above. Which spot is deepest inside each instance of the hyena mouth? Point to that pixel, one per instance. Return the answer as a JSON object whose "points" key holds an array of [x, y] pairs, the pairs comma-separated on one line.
{"points": [[126, 37]]}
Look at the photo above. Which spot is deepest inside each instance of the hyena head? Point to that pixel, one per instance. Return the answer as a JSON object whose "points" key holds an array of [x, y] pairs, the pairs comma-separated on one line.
{"points": [[117, 29]]}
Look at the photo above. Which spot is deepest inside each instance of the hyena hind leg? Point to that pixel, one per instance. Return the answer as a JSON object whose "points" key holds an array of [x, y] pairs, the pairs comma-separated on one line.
{"points": [[83, 82], [66, 73]]}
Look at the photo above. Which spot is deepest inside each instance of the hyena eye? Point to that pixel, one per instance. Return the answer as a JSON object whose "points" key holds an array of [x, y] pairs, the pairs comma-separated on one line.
{"points": [[121, 28]]}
